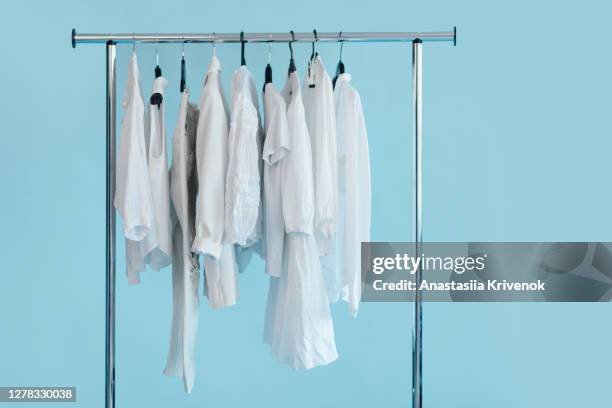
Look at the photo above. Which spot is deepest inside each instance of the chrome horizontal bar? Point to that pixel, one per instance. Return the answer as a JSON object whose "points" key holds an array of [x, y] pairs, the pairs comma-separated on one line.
{"points": [[444, 36]]}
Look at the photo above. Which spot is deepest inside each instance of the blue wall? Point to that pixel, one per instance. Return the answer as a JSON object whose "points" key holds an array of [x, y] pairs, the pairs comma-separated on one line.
{"points": [[517, 147]]}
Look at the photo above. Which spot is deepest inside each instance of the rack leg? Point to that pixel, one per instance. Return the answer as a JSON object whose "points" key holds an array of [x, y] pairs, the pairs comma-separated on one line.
{"points": [[417, 345], [110, 225]]}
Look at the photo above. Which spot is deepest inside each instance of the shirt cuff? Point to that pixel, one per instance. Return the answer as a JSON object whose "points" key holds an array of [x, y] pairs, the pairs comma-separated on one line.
{"points": [[207, 246]]}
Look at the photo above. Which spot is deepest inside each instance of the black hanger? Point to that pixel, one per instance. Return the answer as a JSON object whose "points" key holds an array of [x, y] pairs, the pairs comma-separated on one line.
{"points": [[292, 67], [157, 98], [313, 55], [268, 79], [242, 60], [183, 79], [340, 66]]}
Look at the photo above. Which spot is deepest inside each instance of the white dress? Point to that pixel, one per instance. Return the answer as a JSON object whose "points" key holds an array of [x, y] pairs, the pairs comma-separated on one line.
{"points": [[354, 203], [185, 268], [133, 191], [301, 330], [318, 96], [221, 285]]}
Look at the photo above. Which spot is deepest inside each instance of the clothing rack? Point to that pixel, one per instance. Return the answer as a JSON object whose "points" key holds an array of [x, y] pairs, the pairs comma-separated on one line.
{"points": [[111, 41]]}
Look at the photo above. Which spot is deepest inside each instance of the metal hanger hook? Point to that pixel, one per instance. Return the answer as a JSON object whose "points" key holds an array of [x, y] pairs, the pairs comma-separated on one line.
{"points": [[341, 44], [270, 49], [214, 47], [133, 43], [157, 51], [183, 46]]}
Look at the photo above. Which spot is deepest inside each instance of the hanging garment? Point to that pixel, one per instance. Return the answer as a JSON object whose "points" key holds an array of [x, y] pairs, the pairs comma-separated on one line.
{"points": [[159, 255], [354, 203], [185, 268], [275, 149], [243, 187], [318, 98], [299, 326], [133, 198], [221, 285]]}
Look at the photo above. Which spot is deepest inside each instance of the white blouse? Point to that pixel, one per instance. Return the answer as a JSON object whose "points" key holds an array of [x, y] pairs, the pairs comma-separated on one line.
{"points": [[243, 189]]}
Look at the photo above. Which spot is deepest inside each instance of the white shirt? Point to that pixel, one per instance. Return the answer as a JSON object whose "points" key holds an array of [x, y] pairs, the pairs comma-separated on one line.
{"points": [[275, 149], [185, 268], [212, 157], [242, 189], [318, 98], [354, 187], [221, 285], [133, 192]]}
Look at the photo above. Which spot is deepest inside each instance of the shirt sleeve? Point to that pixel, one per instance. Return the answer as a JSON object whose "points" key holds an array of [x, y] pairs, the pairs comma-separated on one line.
{"points": [[276, 144], [358, 198], [242, 189], [133, 194], [325, 165], [211, 163]]}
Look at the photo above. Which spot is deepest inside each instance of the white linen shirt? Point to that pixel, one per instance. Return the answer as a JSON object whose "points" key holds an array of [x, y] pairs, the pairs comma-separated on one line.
{"points": [[354, 205], [318, 96], [243, 187], [133, 191], [221, 285], [212, 154]]}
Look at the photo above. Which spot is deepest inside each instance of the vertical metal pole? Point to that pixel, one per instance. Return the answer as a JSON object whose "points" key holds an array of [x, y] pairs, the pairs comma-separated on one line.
{"points": [[110, 224], [417, 100]]}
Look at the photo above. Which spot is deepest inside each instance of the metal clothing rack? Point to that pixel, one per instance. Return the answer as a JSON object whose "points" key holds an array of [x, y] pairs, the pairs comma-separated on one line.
{"points": [[111, 40]]}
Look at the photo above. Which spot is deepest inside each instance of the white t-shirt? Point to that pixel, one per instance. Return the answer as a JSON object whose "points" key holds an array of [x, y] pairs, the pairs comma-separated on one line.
{"points": [[275, 149]]}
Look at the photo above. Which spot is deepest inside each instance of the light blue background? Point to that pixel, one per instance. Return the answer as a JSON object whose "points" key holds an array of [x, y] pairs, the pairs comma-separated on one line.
{"points": [[517, 147]]}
